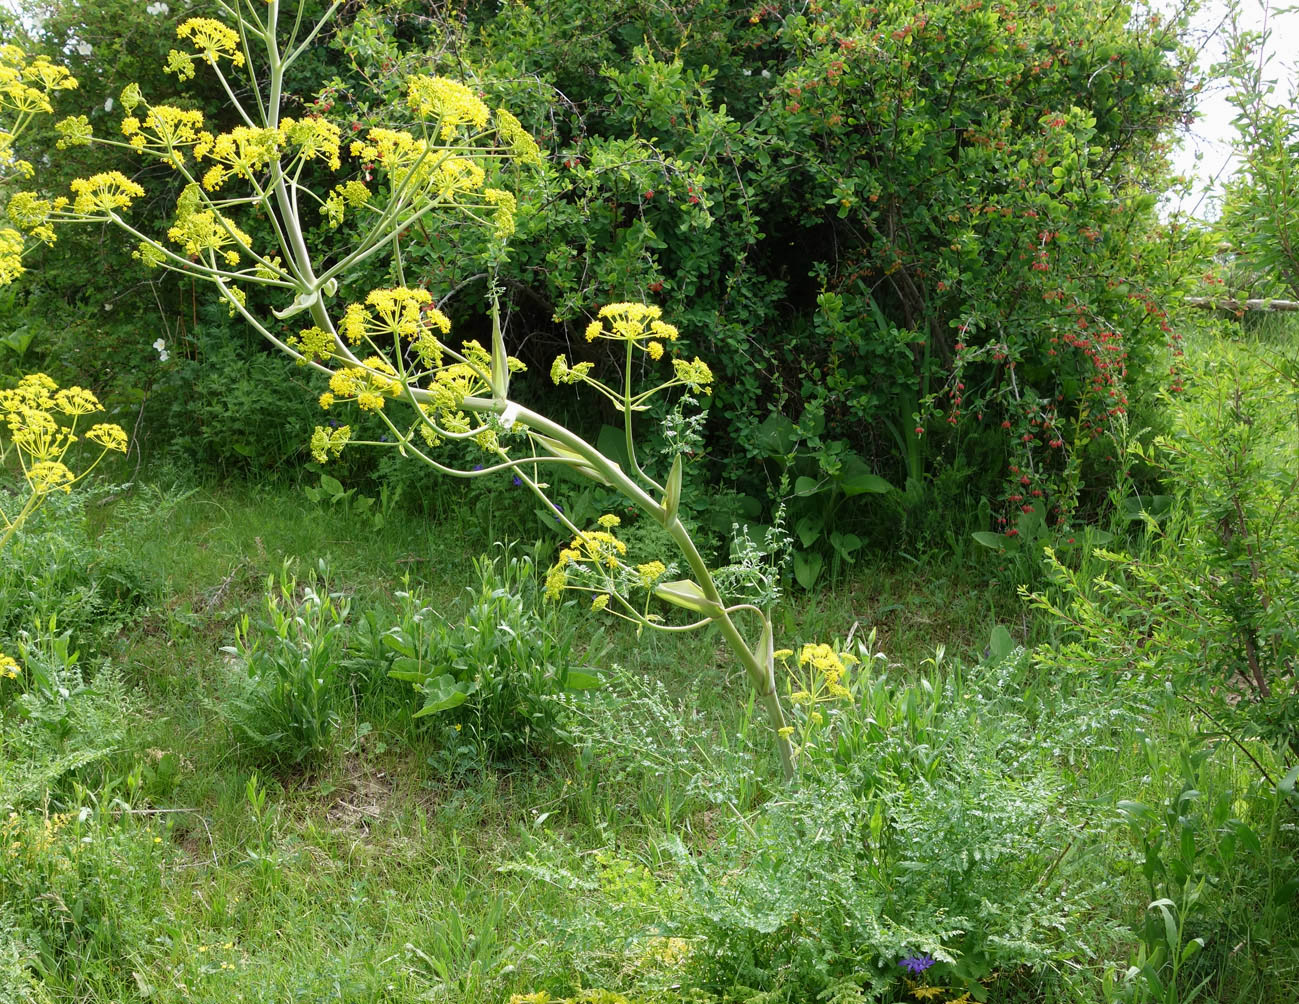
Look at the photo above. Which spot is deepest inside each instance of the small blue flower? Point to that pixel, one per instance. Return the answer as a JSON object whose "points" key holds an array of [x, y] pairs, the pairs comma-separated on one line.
{"points": [[917, 964], [517, 481], [478, 467]]}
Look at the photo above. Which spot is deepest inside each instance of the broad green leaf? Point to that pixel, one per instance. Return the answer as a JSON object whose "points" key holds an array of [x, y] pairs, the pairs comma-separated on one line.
{"points": [[856, 478], [578, 679], [805, 486], [807, 568], [996, 541], [809, 529], [443, 694]]}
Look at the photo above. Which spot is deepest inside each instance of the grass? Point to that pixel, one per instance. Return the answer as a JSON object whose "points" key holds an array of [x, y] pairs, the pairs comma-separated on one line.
{"points": [[400, 867]]}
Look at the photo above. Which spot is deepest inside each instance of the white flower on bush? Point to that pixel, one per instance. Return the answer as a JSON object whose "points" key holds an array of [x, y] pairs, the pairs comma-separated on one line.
{"points": [[161, 346], [85, 48], [157, 8], [108, 104]]}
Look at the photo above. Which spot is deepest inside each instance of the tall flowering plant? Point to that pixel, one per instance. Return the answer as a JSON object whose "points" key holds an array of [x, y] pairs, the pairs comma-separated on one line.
{"points": [[40, 422], [324, 204]]}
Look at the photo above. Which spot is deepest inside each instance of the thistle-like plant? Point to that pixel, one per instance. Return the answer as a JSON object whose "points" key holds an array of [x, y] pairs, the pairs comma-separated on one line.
{"points": [[297, 182]]}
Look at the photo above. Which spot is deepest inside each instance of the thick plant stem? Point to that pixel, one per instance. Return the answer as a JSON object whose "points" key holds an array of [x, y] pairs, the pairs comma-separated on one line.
{"points": [[757, 666]]}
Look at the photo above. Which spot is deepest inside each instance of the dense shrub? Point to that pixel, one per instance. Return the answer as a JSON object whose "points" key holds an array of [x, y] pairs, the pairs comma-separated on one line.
{"points": [[932, 233]]}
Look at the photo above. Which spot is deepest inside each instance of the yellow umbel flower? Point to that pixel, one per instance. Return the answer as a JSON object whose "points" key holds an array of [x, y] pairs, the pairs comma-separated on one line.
{"points": [[33, 214], [506, 206], [8, 668], [172, 129], [108, 435], [650, 573], [326, 443], [314, 138], [241, 152], [207, 232], [516, 139], [11, 255], [102, 193], [448, 102], [212, 39], [76, 401], [74, 131], [49, 476], [696, 375]]}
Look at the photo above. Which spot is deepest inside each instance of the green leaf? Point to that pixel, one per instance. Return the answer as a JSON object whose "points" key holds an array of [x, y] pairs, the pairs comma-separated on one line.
{"points": [[805, 486], [443, 694], [407, 670], [332, 485], [578, 679], [776, 436], [855, 478], [807, 568], [847, 544], [1000, 644], [397, 641], [612, 442], [809, 529], [996, 541], [1246, 836]]}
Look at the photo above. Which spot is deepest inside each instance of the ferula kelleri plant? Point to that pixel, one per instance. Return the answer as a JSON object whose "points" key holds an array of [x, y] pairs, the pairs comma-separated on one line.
{"points": [[39, 425], [295, 182]]}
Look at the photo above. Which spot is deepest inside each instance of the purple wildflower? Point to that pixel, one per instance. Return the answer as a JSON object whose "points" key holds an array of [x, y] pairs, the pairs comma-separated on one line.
{"points": [[517, 481], [917, 964], [478, 467]]}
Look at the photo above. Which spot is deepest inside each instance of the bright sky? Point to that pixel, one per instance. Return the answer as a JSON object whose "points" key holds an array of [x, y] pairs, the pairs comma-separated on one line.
{"points": [[1205, 151]]}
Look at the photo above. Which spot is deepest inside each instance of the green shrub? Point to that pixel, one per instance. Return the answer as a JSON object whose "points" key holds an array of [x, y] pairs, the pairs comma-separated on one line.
{"points": [[1209, 601], [88, 583], [286, 709], [922, 826], [496, 670]]}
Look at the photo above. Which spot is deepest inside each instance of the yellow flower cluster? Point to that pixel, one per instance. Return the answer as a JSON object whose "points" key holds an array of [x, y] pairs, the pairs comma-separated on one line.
{"points": [[506, 206], [400, 316], [8, 668], [75, 130], [42, 441], [595, 549], [448, 102], [410, 162], [820, 674], [212, 40], [240, 153], [314, 138], [349, 195], [315, 344], [102, 193], [631, 322], [366, 384], [33, 214], [207, 233], [25, 87], [650, 573], [326, 443], [695, 374], [561, 372], [516, 139]]}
